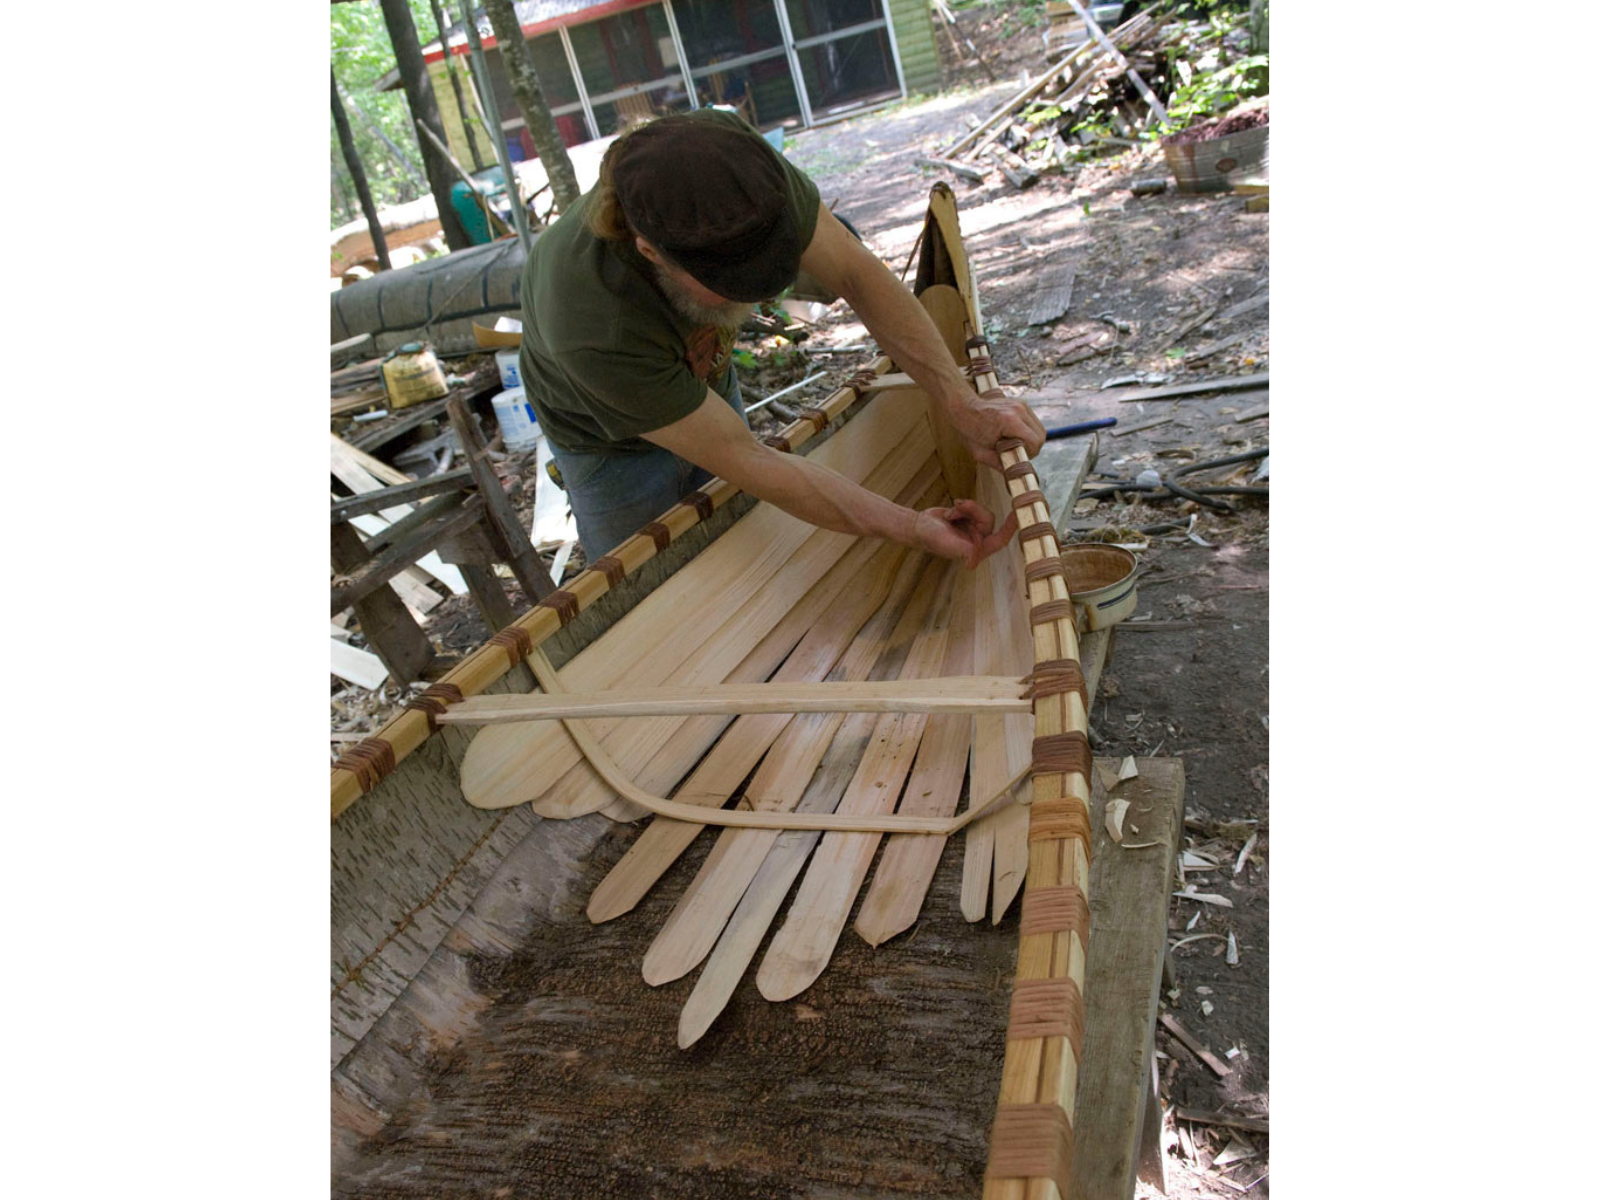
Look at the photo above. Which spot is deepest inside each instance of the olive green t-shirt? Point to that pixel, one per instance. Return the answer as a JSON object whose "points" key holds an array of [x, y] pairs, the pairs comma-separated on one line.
{"points": [[604, 357]]}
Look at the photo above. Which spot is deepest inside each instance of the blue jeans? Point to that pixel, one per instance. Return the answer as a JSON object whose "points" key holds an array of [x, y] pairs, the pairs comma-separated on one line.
{"points": [[614, 495]]}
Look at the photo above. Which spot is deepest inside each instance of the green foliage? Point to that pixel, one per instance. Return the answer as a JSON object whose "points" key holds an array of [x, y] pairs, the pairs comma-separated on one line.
{"points": [[1212, 77], [361, 54], [1210, 92]]}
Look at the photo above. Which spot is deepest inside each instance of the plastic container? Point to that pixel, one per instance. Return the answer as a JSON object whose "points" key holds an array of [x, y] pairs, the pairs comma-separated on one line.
{"points": [[519, 428], [412, 375], [510, 369]]}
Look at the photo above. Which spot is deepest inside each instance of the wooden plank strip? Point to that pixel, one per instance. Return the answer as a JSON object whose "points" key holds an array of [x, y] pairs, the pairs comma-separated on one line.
{"points": [[408, 493], [707, 903], [802, 946], [1233, 383], [1014, 654], [391, 560], [759, 906], [738, 752], [906, 869], [356, 665], [1194, 1044], [1122, 973], [633, 741], [728, 764], [1125, 430], [344, 456], [510, 764], [526, 566], [362, 473], [939, 694]]}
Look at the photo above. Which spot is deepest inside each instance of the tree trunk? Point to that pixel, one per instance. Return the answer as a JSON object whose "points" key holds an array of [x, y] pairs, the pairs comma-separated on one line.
{"points": [[358, 176], [400, 156], [547, 141], [419, 97], [339, 192], [455, 86]]}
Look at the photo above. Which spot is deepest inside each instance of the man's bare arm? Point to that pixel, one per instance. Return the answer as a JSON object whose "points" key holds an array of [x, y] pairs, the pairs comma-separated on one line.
{"points": [[714, 438], [908, 334]]}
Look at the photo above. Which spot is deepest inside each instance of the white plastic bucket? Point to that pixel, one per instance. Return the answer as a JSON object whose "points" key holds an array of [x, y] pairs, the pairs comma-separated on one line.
{"points": [[510, 370], [519, 428]]}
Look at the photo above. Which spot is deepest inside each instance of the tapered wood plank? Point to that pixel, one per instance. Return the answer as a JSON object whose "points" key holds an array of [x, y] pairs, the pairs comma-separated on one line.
{"points": [[778, 786], [948, 312], [801, 948], [1014, 650], [906, 869], [956, 694], [635, 742], [811, 620], [988, 748], [758, 906], [731, 763], [713, 781], [510, 764]]}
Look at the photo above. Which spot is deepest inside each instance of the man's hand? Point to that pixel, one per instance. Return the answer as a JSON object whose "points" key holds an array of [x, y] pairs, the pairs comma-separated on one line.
{"points": [[981, 423], [965, 530]]}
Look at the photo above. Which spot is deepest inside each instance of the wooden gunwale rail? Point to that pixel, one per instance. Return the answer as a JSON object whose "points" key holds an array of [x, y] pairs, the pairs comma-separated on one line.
{"points": [[361, 769], [1030, 1144]]}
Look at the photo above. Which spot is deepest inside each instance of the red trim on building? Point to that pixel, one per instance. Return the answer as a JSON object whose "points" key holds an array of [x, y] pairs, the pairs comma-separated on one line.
{"points": [[582, 17]]}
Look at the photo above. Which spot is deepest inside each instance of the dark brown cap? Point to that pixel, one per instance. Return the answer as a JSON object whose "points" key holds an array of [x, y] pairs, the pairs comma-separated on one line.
{"points": [[711, 197]]}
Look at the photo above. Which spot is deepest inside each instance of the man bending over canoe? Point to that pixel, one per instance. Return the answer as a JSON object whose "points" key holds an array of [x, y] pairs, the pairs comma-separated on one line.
{"points": [[631, 303]]}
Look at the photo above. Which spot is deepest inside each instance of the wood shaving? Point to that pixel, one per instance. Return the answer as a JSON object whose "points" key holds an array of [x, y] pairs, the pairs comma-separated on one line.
{"points": [[1116, 812]]}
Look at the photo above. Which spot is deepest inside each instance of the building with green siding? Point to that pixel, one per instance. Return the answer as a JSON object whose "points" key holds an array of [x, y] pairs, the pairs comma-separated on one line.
{"points": [[781, 63]]}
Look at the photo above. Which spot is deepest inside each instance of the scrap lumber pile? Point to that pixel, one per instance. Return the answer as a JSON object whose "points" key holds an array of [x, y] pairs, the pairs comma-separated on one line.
{"points": [[1107, 91], [1025, 135]]}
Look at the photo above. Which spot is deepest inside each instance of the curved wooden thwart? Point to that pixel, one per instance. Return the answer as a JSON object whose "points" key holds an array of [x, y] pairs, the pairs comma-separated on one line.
{"points": [[1030, 1145], [363, 767], [739, 818]]}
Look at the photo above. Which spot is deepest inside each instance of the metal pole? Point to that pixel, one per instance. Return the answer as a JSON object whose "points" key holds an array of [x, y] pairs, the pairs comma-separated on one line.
{"points": [[894, 47], [519, 212], [683, 58], [577, 79], [794, 62]]}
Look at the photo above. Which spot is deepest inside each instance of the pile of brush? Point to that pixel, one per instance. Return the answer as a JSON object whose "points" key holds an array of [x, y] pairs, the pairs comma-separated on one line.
{"points": [[1104, 92]]}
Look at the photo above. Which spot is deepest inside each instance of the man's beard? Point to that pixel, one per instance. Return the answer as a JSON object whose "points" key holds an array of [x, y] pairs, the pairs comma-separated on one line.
{"points": [[731, 315]]}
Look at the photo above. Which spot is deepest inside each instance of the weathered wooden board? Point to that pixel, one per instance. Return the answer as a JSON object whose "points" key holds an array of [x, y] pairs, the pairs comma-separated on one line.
{"points": [[1128, 901]]}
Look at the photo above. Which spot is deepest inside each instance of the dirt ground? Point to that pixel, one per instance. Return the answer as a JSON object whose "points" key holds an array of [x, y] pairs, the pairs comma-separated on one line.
{"points": [[1153, 280]]}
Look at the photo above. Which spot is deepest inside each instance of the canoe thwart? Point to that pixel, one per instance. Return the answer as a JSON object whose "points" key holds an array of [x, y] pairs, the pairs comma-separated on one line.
{"points": [[950, 694]]}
